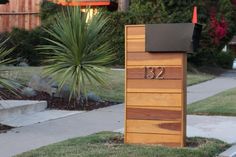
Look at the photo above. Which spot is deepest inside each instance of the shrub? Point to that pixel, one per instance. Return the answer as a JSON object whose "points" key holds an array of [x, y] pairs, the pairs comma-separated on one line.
{"points": [[225, 59], [78, 51], [118, 21], [25, 43], [48, 10], [139, 13], [218, 28], [6, 82]]}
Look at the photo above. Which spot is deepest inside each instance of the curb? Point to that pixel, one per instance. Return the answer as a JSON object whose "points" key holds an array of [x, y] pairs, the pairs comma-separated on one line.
{"points": [[231, 152]]}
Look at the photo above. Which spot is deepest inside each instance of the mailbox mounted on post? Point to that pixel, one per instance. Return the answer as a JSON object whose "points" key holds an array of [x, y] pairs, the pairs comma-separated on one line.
{"points": [[155, 91], [183, 37]]}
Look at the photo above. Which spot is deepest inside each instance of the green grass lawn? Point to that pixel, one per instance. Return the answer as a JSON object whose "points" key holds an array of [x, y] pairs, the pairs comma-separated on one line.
{"points": [[107, 144], [115, 88], [22, 74], [221, 104], [198, 78], [113, 92]]}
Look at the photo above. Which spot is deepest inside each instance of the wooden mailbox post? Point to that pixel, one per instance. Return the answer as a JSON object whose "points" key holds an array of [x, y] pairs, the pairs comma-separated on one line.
{"points": [[155, 90]]}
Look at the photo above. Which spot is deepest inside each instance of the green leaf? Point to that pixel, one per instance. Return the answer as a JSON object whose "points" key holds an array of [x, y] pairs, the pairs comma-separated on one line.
{"points": [[79, 50]]}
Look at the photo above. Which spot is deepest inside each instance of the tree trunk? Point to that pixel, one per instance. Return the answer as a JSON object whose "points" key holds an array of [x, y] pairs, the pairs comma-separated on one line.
{"points": [[123, 5]]}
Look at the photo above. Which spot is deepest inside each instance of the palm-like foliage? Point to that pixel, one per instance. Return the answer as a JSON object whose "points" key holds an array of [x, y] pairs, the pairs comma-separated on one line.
{"points": [[6, 82], [78, 50]]}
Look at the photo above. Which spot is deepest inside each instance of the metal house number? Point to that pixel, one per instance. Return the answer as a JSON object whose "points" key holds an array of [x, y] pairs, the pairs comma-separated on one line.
{"points": [[154, 73]]}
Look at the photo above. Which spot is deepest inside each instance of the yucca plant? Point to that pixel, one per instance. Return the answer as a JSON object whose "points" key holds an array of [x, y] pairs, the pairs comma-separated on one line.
{"points": [[6, 82], [78, 51]]}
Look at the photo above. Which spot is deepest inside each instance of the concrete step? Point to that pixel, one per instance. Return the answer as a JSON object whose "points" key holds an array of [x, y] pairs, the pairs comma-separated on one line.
{"points": [[16, 108], [33, 118]]}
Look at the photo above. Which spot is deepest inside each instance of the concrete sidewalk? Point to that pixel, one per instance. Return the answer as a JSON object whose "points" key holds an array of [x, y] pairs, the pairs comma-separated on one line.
{"points": [[209, 88], [34, 136], [107, 119], [219, 127]]}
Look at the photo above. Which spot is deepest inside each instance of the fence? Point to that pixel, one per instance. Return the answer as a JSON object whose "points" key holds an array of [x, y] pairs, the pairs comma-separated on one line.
{"points": [[19, 13]]}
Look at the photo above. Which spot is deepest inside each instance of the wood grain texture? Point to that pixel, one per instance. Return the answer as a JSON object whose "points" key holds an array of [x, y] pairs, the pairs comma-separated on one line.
{"points": [[154, 99], [153, 114], [155, 59], [135, 39], [153, 126], [174, 73], [135, 32], [184, 101], [161, 139], [154, 108], [171, 86], [135, 45], [20, 13], [125, 94]]}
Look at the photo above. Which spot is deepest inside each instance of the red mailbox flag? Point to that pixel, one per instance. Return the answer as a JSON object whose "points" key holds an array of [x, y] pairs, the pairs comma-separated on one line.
{"points": [[195, 20]]}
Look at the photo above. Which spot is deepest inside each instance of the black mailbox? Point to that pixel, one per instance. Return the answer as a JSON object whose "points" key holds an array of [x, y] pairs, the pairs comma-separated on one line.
{"points": [[176, 37]]}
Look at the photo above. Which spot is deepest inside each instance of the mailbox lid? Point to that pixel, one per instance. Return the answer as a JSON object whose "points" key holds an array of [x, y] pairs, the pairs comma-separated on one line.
{"points": [[175, 37]]}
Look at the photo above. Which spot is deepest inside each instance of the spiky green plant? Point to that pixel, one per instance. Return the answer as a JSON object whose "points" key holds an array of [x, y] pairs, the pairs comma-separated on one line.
{"points": [[79, 50], [6, 82]]}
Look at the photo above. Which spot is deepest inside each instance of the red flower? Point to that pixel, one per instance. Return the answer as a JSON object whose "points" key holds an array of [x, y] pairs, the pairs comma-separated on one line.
{"points": [[234, 2], [218, 28]]}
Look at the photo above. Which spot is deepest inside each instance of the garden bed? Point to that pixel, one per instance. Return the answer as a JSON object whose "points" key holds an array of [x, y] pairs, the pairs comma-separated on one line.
{"points": [[53, 103], [57, 103]]}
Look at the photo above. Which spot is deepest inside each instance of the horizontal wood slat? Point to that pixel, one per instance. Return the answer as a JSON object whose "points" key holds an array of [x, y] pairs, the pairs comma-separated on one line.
{"points": [[161, 139], [153, 114], [171, 86], [137, 32], [136, 45], [155, 59], [154, 99], [150, 126], [136, 39], [155, 90], [174, 73], [133, 37]]}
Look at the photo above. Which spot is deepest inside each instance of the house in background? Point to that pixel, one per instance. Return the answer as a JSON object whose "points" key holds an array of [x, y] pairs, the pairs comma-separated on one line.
{"points": [[113, 5], [82, 3], [25, 13], [93, 5]]}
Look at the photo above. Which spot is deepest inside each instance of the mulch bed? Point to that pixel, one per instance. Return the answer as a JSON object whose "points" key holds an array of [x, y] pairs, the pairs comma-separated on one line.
{"points": [[57, 103]]}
